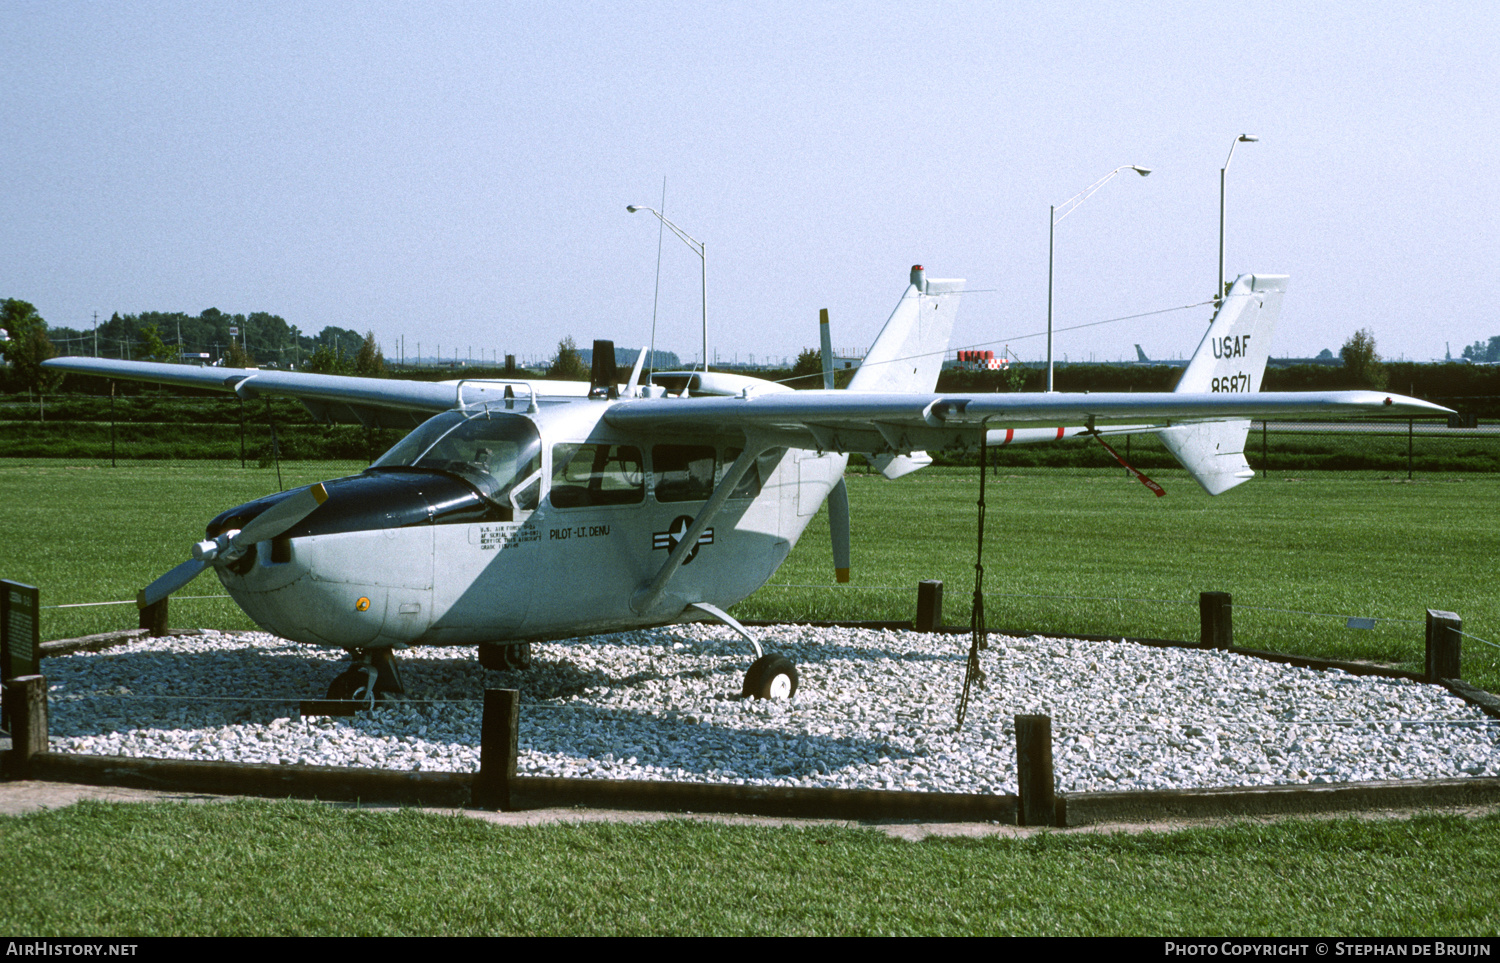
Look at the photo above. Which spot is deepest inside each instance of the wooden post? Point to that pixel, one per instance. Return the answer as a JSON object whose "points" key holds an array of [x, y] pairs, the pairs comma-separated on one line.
{"points": [[1036, 803], [1443, 644], [929, 606], [499, 737], [1411, 430], [26, 698], [1215, 625], [154, 618]]}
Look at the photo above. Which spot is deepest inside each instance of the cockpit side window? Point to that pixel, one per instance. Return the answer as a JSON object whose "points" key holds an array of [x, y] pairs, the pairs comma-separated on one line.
{"points": [[496, 453], [408, 450], [591, 475]]}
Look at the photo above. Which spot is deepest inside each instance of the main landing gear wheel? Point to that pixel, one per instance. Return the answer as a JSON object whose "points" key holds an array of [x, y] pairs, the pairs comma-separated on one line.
{"points": [[771, 677], [514, 656]]}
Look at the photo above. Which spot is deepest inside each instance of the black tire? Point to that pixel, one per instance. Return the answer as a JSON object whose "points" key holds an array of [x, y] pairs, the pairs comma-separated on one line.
{"points": [[348, 685], [508, 657], [518, 654], [771, 677]]}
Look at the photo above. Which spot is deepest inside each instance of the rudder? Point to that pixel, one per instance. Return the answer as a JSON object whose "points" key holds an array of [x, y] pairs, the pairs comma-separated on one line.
{"points": [[908, 353]]}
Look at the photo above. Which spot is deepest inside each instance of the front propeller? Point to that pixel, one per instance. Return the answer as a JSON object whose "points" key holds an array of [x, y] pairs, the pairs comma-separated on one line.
{"points": [[231, 545]]}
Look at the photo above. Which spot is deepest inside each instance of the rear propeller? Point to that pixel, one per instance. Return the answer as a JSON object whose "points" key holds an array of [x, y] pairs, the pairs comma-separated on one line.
{"points": [[838, 528], [234, 543]]}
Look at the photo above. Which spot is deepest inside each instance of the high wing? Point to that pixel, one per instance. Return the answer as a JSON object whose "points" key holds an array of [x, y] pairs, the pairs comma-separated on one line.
{"points": [[890, 409], [848, 421], [375, 402]]}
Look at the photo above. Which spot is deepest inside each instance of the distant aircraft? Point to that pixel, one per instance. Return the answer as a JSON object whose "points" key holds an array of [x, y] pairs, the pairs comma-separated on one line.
{"points": [[519, 511], [1140, 358]]}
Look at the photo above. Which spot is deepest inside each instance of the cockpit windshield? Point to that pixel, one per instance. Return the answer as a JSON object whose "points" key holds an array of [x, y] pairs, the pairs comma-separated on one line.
{"points": [[495, 452]]}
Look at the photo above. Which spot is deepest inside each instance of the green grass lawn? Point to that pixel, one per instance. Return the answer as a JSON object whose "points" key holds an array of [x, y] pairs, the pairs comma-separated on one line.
{"points": [[296, 868]]}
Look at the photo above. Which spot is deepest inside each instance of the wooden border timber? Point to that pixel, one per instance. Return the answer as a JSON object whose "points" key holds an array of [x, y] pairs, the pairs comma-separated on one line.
{"points": [[538, 792], [105, 640], [526, 792], [254, 779], [1089, 808]]}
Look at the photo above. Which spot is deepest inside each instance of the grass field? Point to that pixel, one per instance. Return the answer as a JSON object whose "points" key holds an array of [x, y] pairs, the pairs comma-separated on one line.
{"points": [[1091, 554], [302, 869], [1068, 555]]}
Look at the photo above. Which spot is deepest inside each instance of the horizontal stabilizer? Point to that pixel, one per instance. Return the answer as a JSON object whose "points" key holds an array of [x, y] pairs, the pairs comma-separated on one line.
{"points": [[1213, 452]]}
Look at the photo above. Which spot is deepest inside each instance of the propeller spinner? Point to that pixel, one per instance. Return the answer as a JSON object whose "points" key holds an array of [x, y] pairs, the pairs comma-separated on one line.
{"points": [[233, 544]]}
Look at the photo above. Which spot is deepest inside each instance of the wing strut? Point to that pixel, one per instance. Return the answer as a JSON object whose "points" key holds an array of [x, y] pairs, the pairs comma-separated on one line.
{"points": [[647, 597]]}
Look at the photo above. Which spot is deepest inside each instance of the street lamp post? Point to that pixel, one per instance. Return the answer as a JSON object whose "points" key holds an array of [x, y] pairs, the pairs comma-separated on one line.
{"points": [[1245, 139], [697, 248], [1068, 207]]}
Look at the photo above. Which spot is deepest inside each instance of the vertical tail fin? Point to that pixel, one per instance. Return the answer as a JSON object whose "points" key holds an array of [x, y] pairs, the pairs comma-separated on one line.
{"points": [[908, 353], [1230, 359], [1232, 355]]}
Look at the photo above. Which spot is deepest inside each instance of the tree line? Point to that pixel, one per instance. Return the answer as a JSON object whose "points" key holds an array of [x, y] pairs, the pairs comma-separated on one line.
{"points": [[1481, 352], [211, 337]]}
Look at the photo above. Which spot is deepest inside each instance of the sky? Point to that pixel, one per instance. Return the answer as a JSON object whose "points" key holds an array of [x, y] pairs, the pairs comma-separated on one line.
{"points": [[455, 175]]}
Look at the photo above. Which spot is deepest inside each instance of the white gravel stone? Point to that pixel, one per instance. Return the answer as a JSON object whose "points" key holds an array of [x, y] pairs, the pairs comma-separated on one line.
{"points": [[875, 710]]}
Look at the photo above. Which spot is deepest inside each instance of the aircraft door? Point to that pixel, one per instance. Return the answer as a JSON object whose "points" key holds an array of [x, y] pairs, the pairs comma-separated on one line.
{"points": [[593, 536]]}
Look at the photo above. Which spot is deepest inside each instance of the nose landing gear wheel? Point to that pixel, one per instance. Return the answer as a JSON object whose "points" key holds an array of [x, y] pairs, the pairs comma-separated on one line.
{"points": [[373, 674], [514, 656], [771, 677], [350, 685]]}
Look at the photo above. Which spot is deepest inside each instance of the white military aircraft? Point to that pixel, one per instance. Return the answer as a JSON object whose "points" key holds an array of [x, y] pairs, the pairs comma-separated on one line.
{"points": [[521, 511]]}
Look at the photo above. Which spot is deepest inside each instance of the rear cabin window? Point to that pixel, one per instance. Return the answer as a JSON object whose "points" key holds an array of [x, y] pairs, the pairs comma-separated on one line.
{"points": [[584, 476], [683, 473], [765, 465]]}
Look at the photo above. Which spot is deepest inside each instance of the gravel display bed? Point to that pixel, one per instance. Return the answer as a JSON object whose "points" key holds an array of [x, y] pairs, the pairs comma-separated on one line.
{"points": [[875, 710]]}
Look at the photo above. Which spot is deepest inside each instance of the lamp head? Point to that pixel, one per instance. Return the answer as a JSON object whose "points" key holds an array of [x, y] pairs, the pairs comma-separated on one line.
{"points": [[631, 208], [1248, 138], [1143, 171]]}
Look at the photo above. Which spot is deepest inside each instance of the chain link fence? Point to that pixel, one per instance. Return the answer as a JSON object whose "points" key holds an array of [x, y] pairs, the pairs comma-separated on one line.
{"points": [[169, 428], [1387, 450], [166, 427]]}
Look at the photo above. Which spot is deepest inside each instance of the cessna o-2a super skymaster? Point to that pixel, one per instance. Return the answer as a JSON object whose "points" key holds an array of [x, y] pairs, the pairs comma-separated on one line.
{"points": [[520, 511]]}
